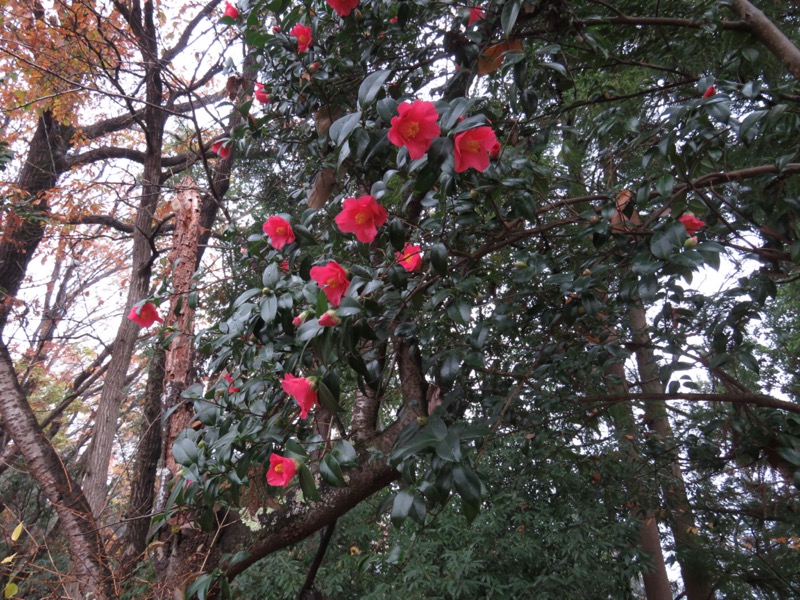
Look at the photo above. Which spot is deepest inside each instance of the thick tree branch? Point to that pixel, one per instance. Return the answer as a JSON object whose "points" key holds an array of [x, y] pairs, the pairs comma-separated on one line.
{"points": [[768, 34]]}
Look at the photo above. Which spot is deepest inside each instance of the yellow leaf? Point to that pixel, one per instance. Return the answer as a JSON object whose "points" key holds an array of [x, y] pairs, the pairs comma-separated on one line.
{"points": [[11, 590], [17, 533], [8, 559]]}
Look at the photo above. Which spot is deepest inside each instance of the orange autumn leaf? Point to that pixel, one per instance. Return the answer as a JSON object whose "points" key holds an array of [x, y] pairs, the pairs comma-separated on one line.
{"points": [[492, 58]]}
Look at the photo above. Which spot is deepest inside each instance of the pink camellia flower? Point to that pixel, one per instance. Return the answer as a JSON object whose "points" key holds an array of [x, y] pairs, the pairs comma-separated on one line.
{"points": [[343, 7], [221, 149], [301, 390], [361, 216], [260, 94], [476, 14], [472, 148], [710, 92], [332, 278], [691, 223], [279, 231], [300, 319], [232, 389], [329, 319], [494, 151], [231, 11], [303, 35], [415, 127], [281, 470], [410, 258], [145, 315]]}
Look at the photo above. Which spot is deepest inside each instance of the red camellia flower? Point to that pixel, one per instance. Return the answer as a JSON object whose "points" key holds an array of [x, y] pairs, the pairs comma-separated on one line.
{"points": [[232, 389], [145, 315], [279, 231], [410, 258], [691, 223], [343, 7], [332, 278], [473, 147], [303, 35], [361, 216], [300, 389], [393, 20], [260, 94], [231, 11], [329, 319], [415, 127], [476, 14], [281, 470], [710, 92], [221, 149]]}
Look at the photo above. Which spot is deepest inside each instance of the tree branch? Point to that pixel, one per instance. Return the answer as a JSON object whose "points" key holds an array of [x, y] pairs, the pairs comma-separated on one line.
{"points": [[747, 399], [766, 31]]}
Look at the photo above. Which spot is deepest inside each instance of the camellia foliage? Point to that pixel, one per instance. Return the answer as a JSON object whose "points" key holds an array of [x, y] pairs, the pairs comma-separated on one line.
{"points": [[569, 176]]}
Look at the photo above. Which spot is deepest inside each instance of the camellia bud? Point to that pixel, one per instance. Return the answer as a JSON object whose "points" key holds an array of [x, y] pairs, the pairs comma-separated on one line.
{"points": [[474, 194], [266, 291], [691, 242], [422, 420], [313, 67], [586, 272]]}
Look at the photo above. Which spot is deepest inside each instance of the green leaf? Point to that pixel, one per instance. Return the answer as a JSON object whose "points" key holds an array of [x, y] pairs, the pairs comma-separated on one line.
{"points": [[270, 276], [669, 240], [10, 590], [269, 308], [307, 484], [508, 18], [401, 506], [450, 368], [370, 87], [343, 127], [184, 451], [438, 253], [331, 472], [326, 398], [246, 296], [349, 307], [467, 484], [345, 453]]}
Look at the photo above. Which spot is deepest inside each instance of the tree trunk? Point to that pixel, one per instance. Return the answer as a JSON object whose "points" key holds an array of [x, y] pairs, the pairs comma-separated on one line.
{"points": [[656, 580], [98, 455], [144, 470], [23, 230], [89, 566], [673, 487]]}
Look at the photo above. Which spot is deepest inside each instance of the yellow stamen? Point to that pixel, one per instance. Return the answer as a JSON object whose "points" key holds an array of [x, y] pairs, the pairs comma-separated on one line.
{"points": [[361, 218], [279, 468], [411, 130]]}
